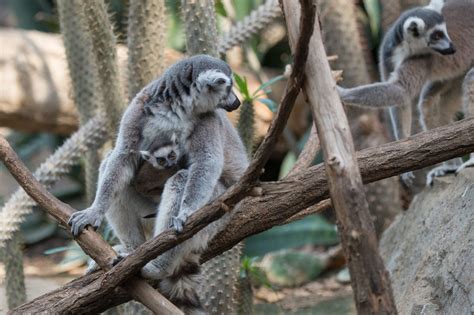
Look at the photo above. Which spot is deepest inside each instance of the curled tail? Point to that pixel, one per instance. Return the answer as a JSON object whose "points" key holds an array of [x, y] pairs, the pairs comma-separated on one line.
{"points": [[181, 287]]}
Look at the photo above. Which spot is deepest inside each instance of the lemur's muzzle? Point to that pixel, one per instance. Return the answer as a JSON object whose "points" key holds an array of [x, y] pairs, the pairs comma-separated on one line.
{"points": [[231, 103], [447, 51]]}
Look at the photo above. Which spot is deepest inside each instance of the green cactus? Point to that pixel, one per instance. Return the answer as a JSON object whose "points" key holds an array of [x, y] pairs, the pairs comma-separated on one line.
{"points": [[104, 43], [146, 42], [199, 20], [87, 92], [246, 125], [12, 257], [89, 137]]}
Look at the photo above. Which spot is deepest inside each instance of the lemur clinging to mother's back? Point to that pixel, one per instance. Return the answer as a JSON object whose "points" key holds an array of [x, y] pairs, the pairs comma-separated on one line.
{"points": [[188, 101], [425, 49]]}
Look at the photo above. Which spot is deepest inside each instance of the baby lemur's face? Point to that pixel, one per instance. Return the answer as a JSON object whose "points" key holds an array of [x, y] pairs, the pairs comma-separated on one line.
{"points": [[164, 156]]}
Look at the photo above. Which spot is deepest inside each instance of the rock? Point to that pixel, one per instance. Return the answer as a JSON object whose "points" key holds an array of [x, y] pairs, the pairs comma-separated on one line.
{"points": [[428, 250], [288, 268]]}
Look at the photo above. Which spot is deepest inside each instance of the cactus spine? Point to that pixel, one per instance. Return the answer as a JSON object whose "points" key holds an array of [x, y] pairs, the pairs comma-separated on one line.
{"points": [[105, 51], [146, 42]]}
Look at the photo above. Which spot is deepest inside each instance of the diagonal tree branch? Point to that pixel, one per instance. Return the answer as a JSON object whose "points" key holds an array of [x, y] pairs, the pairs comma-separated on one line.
{"points": [[279, 201], [90, 241], [369, 279]]}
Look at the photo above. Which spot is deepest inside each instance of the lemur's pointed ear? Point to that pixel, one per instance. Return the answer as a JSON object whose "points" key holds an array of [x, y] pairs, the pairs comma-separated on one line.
{"points": [[413, 29], [436, 5], [414, 26], [145, 155]]}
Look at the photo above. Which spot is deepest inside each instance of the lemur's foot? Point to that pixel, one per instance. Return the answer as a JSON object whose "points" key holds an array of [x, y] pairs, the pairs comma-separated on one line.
{"points": [[79, 220], [152, 271], [439, 171], [177, 223], [468, 163], [121, 254], [407, 178]]}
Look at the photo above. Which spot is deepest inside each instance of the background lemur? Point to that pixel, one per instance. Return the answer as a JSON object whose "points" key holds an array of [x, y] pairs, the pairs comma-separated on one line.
{"points": [[418, 58], [186, 100]]}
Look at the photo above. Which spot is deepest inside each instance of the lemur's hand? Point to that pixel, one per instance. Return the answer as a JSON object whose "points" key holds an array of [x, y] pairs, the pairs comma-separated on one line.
{"points": [[79, 220]]}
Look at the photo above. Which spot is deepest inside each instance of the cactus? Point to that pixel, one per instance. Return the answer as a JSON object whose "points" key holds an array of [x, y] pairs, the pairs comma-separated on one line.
{"points": [[146, 42], [105, 51], [89, 137], [246, 126], [257, 20], [82, 65], [199, 21], [391, 10], [12, 257]]}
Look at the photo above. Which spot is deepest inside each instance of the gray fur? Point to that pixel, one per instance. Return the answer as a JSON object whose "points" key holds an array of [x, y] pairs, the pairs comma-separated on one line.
{"points": [[185, 101], [417, 68]]}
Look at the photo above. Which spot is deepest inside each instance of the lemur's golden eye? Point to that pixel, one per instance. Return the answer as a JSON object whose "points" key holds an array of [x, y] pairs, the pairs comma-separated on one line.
{"points": [[172, 156], [437, 35], [161, 161]]}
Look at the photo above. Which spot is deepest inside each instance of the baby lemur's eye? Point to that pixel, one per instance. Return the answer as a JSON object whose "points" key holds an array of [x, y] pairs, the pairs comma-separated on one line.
{"points": [[172, 156], [161, 161], [220, 81]]}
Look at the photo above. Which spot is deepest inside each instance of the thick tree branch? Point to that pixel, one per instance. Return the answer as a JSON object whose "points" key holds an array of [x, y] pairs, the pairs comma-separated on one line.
{"points": [[369, 279], [90, 241], [282, 200]]}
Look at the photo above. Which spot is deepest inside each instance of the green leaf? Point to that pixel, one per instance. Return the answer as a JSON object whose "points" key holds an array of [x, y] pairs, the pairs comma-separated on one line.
{"points": [[269, 82], [57, 250], [220, 9], [242, 86], [271, 104]]}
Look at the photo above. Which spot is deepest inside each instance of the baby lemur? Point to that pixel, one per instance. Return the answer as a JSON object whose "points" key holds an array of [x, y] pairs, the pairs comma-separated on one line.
{"points": [[163, 153], [425, 49], [188, 100]]}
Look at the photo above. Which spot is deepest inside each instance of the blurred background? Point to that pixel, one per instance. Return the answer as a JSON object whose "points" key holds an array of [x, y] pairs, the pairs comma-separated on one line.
{"points": [[282, 267]]}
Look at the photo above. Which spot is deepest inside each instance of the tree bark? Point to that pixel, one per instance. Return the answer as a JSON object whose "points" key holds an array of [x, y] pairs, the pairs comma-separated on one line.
{"points": [[90, 241], [369, 279], [279, 202]]}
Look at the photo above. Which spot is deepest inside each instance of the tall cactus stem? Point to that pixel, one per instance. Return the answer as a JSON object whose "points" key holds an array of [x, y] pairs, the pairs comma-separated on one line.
{"points": [[199, 20], [87, 92], [105, 50], [246, 126], [12, 257], [146, 41]]}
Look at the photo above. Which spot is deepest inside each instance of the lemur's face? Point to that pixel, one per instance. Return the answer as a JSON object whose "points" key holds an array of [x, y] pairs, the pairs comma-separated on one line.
{"points": [[213, 89], [164, 156], [427, 31]]}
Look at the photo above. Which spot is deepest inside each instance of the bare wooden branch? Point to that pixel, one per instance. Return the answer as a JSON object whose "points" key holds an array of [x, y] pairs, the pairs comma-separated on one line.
{"points": [[280, 201], [369, 279], [306, 157], [90, 241]]}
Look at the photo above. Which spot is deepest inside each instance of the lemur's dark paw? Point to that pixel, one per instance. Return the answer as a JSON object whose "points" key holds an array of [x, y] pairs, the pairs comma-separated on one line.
{"points": [[177, 223]]}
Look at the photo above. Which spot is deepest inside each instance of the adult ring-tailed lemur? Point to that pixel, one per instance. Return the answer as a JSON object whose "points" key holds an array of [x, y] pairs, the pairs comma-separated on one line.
{"points": [[187, 102], [426, 49]]}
